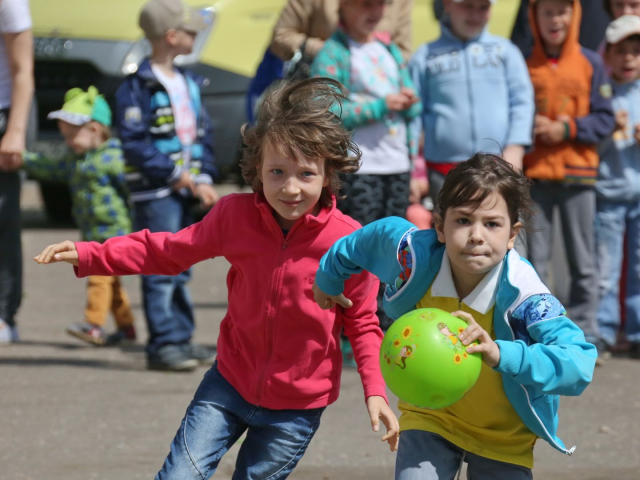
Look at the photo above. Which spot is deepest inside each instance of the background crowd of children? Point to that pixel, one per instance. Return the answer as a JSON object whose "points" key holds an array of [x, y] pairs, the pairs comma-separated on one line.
{"points": [[565, 115]]}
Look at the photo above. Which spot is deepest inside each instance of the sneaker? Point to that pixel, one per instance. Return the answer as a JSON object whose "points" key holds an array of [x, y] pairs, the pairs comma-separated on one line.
{"points": [[87, 332], [204, 355], [171, 358], [6, 333], [122, 336], [604, 352], [634, 350], [348, 361]]}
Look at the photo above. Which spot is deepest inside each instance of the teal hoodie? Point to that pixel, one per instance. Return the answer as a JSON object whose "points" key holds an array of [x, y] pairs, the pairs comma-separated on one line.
{"points": [[334, 61], [543, 354]]}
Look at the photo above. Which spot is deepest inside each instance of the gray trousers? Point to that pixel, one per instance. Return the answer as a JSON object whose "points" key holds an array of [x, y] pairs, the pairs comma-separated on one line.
{"points": [[577, 207]]}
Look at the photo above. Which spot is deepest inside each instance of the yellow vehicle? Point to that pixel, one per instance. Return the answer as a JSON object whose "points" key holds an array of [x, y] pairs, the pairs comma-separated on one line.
{"points": [[79, 43]]}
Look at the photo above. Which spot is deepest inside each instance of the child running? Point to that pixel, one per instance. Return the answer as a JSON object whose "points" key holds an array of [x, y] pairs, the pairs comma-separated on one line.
{"points": [[531, 351], [95, 173], [278, 359]]}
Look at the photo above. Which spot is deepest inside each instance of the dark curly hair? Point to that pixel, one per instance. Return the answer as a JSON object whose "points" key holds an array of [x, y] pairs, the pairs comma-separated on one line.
{"points": [[473, 181], [302, 118]]}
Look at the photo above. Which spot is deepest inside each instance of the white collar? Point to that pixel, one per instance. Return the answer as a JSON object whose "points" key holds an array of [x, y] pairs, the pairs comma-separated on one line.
{"points": [[481, 299]]}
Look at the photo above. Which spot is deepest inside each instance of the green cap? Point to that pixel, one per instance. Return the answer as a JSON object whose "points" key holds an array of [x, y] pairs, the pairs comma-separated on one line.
{"points": [[81, 107]]}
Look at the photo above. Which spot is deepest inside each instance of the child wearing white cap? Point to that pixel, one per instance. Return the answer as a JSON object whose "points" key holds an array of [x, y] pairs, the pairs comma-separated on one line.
{"points": [[618, 187]]}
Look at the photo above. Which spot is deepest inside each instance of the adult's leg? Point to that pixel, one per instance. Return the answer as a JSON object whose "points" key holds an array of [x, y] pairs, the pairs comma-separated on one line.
{"points": [[426, 456], [10, 247], [436, 181], [609, 233], [275, 443], [577, 211], [214, 421]]}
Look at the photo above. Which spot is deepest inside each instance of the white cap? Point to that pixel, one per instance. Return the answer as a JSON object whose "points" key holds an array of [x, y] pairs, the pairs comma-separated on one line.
{"points": [[622, 27]]}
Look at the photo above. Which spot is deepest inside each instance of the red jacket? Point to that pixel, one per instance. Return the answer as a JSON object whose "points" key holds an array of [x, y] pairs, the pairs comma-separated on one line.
{"points": [[276, 346]]}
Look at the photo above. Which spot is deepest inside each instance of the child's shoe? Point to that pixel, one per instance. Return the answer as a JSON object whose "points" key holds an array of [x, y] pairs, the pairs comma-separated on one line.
{"points": [[122, 336], [604, 352], [87, 332], [348, 360]]}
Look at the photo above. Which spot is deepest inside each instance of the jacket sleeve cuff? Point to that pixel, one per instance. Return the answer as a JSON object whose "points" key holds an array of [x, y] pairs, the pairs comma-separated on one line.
{"points": [[573, 128], [82, 270], [203, 178], [175, 175], [510, 357], [376, 391], [330, 287]]}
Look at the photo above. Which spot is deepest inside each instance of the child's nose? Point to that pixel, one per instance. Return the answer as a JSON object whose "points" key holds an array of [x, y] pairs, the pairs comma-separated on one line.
{"points": [[291, 186]]}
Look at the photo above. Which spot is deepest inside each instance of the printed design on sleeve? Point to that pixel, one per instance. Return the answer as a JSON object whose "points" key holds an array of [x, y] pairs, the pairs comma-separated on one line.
{"points": [[405, 259], [535, 309]]}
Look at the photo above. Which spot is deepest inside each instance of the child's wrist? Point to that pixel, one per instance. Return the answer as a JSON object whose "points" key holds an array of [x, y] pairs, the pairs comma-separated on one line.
{"points": [[567, 130]]}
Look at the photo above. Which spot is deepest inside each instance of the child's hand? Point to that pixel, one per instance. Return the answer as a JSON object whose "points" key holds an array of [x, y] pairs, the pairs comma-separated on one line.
{"points": [[207, 195], [622, 118], [514, 155], [487, 347], [397, 102], [60, 252], [551, 133], [418, 188], [410, 94], [325, 302], [379, 410], [185, 181]]}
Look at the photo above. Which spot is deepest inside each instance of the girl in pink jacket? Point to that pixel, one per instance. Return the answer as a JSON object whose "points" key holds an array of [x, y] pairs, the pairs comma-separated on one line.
{"points": [[279, 362]]}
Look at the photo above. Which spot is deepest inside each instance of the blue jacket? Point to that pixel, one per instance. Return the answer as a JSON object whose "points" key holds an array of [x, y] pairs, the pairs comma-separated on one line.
{"points": [[476, 96], [619, 171], [543, 354], [151, 147]]}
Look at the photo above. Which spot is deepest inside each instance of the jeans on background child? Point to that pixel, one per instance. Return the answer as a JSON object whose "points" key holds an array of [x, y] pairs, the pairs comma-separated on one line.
{"points": [[218, 416], [613, 219], [445, 461], [167, 303]]}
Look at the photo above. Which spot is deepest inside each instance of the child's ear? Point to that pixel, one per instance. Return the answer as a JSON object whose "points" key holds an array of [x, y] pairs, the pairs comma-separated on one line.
{"points": [[515, 229], [439, 223]]}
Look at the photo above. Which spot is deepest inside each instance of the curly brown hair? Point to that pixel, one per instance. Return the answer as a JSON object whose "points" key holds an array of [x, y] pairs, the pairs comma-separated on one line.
{"points": [[472, 182], [302, 118]]}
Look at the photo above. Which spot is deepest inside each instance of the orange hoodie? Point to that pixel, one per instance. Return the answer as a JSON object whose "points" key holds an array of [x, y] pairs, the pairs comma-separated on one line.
{"points": [[576, 86]]}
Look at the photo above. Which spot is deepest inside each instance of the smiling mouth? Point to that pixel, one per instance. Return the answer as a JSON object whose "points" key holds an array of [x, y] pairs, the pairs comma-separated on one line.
{"points": [[291, 203]]}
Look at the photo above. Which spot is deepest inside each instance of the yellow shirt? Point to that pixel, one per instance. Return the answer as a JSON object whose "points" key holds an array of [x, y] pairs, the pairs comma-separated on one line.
{"points": [[483, 421]]}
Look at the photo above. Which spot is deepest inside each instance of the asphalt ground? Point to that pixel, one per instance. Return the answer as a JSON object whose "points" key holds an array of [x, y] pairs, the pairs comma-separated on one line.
{"points": [[74, 412]]}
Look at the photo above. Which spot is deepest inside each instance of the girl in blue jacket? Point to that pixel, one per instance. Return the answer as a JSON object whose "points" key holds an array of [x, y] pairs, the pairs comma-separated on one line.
{"points": [[532, 352]]}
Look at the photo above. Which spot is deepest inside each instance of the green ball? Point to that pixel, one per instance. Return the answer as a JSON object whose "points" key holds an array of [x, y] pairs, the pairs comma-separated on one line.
{"points": [[423, 361]]}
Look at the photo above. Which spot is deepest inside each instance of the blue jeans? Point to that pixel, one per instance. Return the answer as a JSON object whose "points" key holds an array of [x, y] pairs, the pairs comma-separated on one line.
{"points": [[427, 456], [613, 220], [217, 417], [167, 303], [10, 247]]}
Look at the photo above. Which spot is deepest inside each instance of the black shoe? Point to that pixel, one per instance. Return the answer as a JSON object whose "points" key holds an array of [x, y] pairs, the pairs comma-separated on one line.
{"points": [[171, 358], [604, 352], [634, 350], [203, 355]]}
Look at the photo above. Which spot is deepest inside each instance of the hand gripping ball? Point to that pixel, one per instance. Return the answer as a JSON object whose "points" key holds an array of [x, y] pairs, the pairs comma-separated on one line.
{"points": [[424, 362]]}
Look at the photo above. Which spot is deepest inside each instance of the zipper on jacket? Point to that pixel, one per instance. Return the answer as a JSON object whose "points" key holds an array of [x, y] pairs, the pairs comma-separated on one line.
{"points": [[273, 311], [470, 95]]}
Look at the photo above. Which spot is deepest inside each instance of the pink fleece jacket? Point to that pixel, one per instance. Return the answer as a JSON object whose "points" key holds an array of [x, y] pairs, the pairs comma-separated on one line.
{"points": [[276, 346]]}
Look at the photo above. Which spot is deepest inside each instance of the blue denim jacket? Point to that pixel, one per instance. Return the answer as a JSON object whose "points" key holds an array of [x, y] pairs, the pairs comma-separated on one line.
{"points": [[543, 354], [151, 147]]}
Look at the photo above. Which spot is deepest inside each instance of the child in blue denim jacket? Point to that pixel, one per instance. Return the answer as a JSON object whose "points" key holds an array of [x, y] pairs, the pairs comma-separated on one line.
{"points": [[618, 187], [531, 351]]}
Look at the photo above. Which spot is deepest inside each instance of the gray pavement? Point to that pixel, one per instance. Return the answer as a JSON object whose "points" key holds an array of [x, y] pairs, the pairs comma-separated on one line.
{"points": [[71, 412]]}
